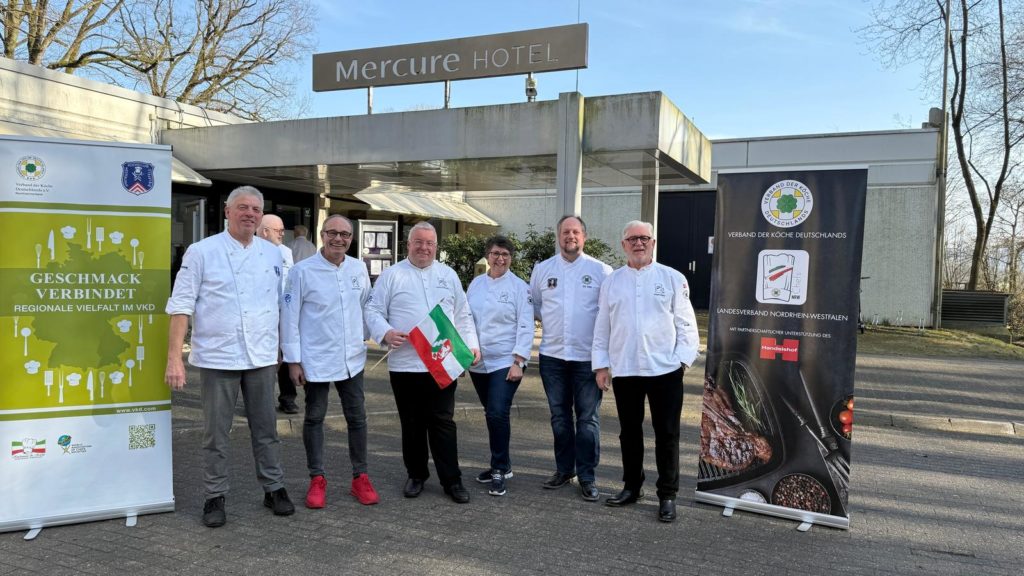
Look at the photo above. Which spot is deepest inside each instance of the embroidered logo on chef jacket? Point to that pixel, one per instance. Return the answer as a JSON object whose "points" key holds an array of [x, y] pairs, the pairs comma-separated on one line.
{"points": [[442, 283], [288, 298], [659, 290], [552, 282], [277, 270], [587, 280], [355, 283], [503, 298]]}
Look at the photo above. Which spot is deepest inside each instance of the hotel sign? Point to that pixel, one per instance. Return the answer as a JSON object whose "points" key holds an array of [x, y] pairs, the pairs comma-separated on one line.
{"points": [[511, 53]]}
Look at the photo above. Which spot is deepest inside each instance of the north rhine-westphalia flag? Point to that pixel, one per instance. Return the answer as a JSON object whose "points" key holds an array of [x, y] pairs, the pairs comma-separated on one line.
{"points": [[440, 347]]}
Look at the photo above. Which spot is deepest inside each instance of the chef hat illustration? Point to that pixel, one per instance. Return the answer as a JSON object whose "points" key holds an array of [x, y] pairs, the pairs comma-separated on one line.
{"points": [[74, 378], [115, 237], [116, 377], [32, 367], [124, 325], [68, 232]]}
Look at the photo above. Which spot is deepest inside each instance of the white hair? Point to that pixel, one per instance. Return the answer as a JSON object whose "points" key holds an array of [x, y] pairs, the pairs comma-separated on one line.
{"points": [[244, 191], [632, 223], [424, 225]]}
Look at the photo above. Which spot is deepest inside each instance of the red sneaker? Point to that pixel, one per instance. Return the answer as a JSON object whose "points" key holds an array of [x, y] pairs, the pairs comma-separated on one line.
{"points": [[363, 490], [316, 496]]}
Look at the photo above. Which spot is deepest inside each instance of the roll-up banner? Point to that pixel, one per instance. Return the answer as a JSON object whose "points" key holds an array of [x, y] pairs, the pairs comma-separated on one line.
{"points": [[84, 410], [777, 417]]}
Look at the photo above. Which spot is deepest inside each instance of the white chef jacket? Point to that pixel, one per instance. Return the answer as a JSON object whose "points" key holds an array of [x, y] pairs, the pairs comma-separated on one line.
{"points": [[286, 255], [401, 299], [503, 314], [322, 318], [646, 325], [232, 294], [565, 301]]}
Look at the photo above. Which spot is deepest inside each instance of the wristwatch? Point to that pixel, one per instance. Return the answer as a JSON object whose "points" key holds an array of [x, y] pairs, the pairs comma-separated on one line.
{"points": [[520, 364]]}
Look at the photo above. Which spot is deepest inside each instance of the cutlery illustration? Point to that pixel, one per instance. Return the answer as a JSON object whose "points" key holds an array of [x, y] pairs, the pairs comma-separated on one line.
{"points": [[99, 237], [141, 255], [140, 332], [15, 326], [39, 253], [103, 381], [140, 355], [134, 242], [48, 381], [130, 364], [88, 233], [90, 387], [50, 246], [25, 333]]}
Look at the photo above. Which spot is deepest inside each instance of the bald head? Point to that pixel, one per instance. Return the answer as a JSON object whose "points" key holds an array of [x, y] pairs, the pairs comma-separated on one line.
{"points": [[272, 229]]}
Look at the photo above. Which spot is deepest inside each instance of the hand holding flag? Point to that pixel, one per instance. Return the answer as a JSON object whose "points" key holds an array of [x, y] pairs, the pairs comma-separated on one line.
{"points": [[440, 347]]}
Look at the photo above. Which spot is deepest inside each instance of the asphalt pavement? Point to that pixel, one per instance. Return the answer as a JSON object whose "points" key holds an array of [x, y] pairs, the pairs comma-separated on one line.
{"points": [[938, 454]]}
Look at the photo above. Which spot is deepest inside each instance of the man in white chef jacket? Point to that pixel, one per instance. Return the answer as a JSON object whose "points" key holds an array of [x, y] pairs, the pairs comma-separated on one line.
{"points": [[272, 230], [324, 342], [230, 285], [564, 289], [644, 338], [401, 298]]}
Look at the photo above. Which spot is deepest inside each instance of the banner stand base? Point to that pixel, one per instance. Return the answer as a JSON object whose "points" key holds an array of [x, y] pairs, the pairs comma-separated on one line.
{"points": [[727, 511], [804, 526], [31, 534], [131, 520]]}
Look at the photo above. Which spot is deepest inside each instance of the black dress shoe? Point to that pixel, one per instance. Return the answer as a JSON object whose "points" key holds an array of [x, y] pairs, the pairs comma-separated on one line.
{"points": [[625, 497], [588, 490], [413, 487], [213, 512], [279, 502], [288, 407], [667, 511], [558, 480], [458, 493]]}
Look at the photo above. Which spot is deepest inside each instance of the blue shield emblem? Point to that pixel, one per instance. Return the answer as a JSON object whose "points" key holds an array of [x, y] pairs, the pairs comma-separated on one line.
{"points": [[137, 177]]}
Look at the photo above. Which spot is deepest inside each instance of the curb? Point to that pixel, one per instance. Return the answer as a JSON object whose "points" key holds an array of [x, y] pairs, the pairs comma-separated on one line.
{"points": [[290, 425]]}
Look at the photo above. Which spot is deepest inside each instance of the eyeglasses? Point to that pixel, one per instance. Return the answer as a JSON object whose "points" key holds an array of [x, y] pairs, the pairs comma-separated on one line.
{"points": [[427, 243], [332, 234], [645, 240], [497, 255]]}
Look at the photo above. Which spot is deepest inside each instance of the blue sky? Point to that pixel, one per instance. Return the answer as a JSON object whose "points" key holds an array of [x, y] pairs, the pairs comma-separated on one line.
{"points": [[735, 67]]}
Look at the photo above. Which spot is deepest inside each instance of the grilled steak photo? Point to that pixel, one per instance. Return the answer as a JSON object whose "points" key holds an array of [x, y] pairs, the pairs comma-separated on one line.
{"points": [[724, 442]]}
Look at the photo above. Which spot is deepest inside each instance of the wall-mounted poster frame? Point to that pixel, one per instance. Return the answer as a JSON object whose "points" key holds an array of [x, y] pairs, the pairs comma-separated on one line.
{"points": [[378, 245]]}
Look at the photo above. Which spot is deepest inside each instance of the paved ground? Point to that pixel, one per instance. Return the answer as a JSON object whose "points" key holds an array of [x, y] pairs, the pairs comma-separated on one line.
{"points": [[926, 497]]}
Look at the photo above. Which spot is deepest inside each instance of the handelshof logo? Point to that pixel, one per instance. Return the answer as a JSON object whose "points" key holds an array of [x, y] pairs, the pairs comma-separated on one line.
{"points": [[28, 448], [65, 442], [137, 177], [787, 203], [771, 349], [31, 167]]}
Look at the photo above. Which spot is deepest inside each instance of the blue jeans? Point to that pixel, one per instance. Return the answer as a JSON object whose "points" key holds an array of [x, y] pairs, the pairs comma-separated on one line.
{"points": [[496, 394], [571, 387], [353, 405]]}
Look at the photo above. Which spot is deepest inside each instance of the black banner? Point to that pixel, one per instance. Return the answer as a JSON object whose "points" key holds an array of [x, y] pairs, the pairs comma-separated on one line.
{"points": [[777, 418]]}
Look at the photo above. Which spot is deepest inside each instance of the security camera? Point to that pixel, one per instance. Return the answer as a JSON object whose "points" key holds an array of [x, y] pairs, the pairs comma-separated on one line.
{"points": [[531, 88]]}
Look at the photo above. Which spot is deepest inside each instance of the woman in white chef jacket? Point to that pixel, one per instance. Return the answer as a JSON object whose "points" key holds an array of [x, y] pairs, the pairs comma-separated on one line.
{"points": [[503, 314]]}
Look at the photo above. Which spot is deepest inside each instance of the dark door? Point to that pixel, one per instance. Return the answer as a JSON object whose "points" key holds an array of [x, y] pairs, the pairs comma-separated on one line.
{"points": [[686, 223]]}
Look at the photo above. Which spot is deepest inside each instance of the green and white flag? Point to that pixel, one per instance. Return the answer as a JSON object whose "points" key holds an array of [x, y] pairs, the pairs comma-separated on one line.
{"points": [[440, 347]]}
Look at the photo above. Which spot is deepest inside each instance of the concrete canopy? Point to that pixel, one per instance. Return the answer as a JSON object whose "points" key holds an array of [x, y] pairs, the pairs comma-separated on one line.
{"points": [[503, 147]]}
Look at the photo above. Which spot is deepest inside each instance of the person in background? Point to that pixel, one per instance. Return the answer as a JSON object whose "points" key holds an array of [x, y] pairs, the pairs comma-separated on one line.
{"points": [[302, 248], [644, 338], [503, 314], [272, 229], [230, 285], [323, 340], [402, 297], [564, 289]]}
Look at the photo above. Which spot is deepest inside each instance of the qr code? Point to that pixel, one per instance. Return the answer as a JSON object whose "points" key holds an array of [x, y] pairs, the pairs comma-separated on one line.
{"points": [[141, 436]]}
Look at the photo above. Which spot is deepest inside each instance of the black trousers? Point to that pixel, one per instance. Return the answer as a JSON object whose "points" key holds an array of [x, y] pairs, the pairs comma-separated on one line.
{"points": [[426, 413], [285, 385], [665, 395]]}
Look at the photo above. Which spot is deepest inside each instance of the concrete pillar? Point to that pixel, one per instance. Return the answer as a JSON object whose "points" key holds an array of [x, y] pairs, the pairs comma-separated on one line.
{"points": [[570, 153], [323, 204], [649, 194]]}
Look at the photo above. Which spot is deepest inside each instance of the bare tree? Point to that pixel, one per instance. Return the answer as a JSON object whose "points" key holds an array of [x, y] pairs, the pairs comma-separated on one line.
{"points": [[61, 36], [233, 56], [986, 139]]}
